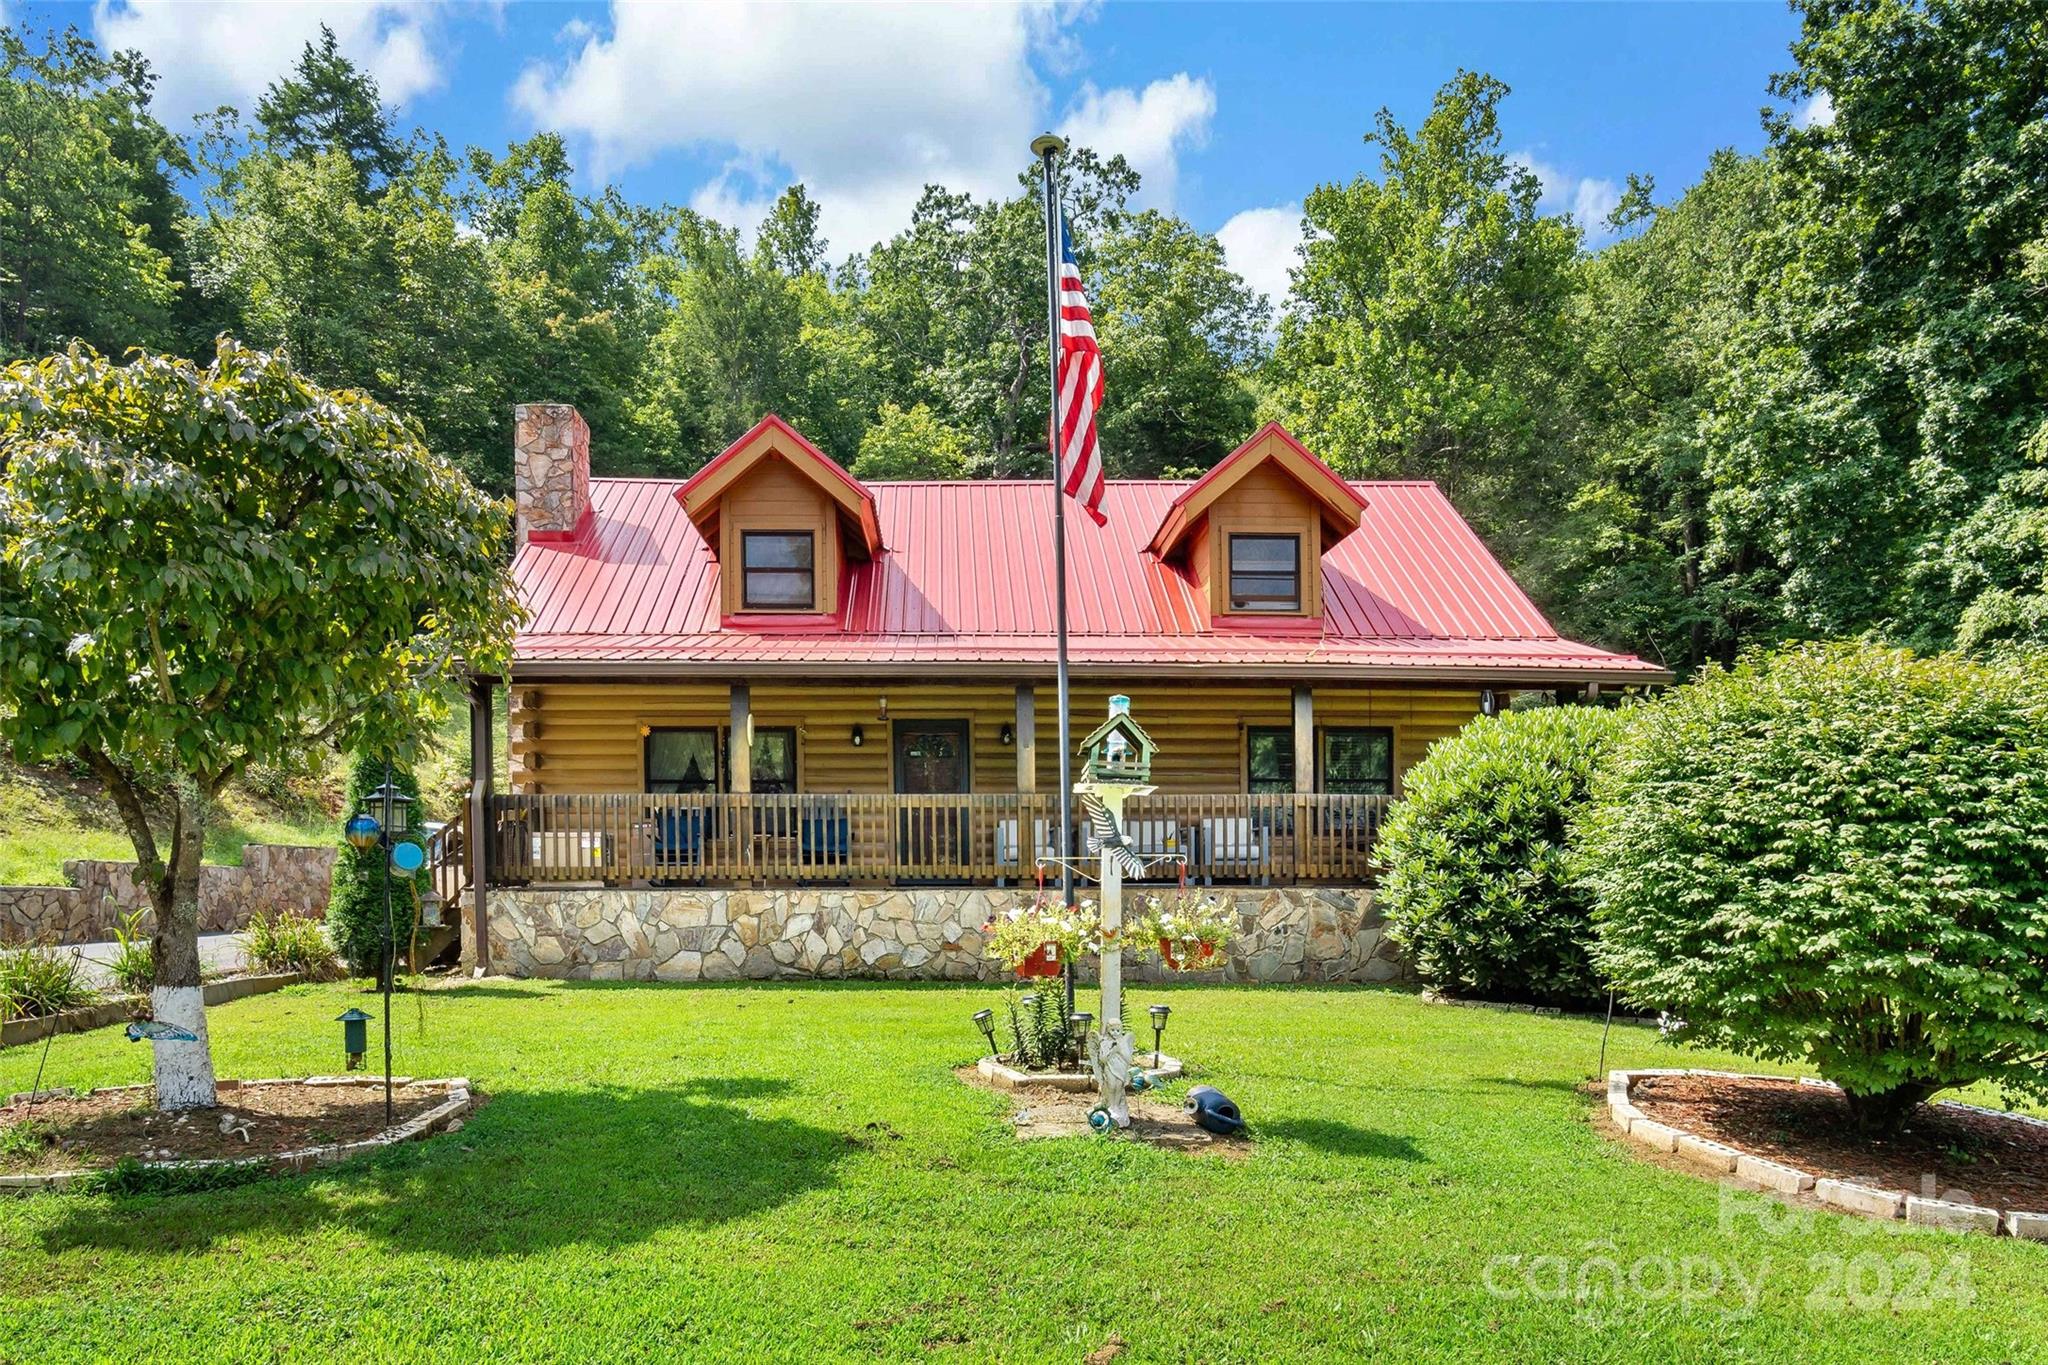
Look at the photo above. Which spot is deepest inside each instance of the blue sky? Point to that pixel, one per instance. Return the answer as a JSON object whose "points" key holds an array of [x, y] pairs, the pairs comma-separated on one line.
{"points": [[1233, 111]]}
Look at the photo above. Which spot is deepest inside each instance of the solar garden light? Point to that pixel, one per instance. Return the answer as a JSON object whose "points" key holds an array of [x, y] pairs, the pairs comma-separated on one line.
{"points": [[985, 1020], [1081, 1019], [1158, 1013], [354, 1036]]}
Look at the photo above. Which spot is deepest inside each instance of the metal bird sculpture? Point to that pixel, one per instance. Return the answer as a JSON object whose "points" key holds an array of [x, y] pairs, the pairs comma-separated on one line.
{"points": [[160, 1033], [1108, 834]]}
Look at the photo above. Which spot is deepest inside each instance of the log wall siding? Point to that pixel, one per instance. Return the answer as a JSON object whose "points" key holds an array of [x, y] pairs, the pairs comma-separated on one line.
{"points": [[585, 738]]}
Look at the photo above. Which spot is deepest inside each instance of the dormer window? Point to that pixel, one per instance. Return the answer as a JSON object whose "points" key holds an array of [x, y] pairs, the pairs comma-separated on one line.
{"points": [[1265, 573], [778, 571]]}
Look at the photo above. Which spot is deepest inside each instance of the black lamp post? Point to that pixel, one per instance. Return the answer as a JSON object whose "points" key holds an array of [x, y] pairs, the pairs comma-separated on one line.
{"points": [[383, 819], [985, 1020], [1158, 1013]]}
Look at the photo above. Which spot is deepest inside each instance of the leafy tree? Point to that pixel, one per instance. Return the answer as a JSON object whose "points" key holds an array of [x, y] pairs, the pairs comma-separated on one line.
{"points": [[1185, 335], [355, 909], [1898, 361], [1648, 556], [82, 184], [1832, 856], [575, 307], [1429, 337], [910, 444], [329, 104], [1478, 890], [386, 293], [205, 568]]}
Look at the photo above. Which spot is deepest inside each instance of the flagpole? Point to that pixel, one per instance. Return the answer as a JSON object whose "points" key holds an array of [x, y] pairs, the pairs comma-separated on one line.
{"points": [[1045, 147]]}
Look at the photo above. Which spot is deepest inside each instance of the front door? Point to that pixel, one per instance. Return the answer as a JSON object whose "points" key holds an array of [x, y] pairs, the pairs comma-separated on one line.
{"points": [[931, 760]]}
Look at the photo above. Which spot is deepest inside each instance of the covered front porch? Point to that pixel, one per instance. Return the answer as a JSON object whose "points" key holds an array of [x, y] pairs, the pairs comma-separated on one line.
{"points": [[897, 781]]}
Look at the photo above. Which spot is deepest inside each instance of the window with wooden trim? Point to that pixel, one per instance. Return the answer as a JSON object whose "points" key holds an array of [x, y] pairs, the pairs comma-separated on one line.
{"points": [[774, 760], [1358, 761], [1268, 758], [691, 760], [683, 761], [778, 571], [1265, 573]]}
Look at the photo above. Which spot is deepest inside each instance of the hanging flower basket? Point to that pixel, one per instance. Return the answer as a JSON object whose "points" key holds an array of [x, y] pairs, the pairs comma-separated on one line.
{"points": [[1201, 959], [1044, 961], [1191, 930]]}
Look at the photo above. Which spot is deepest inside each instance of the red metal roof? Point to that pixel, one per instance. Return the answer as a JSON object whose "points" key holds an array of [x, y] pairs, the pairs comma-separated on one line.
{"points": [[965, 584]]}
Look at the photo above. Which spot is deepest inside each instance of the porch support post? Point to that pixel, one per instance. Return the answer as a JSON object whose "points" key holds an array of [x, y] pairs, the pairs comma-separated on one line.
{"points": [[477, 847], [1304, 782], [739, 763], [1027, 738], [1304, 740]]}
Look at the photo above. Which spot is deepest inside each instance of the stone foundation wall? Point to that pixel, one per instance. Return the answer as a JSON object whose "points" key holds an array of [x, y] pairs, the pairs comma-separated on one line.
{"points": [[1285, 934], [272, 877]]}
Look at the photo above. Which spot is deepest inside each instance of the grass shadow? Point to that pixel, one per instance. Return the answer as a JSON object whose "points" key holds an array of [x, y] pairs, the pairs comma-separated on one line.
{"points": [[1340, 1138], [530, 1171]]}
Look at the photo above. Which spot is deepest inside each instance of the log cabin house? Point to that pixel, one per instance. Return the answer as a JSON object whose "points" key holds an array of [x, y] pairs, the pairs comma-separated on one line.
{"points": [[774, 675]]}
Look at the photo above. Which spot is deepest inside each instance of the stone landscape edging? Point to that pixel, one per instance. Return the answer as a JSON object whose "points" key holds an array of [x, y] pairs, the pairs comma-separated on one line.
{"points": [[419, 1126], [122, 1007], [1846, 1196], [1003, 1076]]}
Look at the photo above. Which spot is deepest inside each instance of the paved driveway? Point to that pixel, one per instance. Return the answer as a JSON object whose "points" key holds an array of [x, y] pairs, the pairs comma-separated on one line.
{"points": [[217, 952]]}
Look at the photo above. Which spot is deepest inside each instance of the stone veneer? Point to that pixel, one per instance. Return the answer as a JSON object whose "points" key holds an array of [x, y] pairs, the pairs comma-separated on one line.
{"points": [[550, 467], [272, 877], [1286, 934]]}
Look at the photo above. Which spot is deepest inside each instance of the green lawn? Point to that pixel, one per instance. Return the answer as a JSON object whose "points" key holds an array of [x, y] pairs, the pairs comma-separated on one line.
{"points": [[47, 818], [777, 1172]]}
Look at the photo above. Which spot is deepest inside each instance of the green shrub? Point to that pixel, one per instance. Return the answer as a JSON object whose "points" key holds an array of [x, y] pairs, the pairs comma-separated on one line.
{"points": [[355, 911], [1477, 890], [284, 942], [1835, 856], [37, 979], [134, 964]]}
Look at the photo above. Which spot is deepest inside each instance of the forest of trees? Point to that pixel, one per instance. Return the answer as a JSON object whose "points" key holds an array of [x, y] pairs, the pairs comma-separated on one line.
{"points": [[1807, 397]]}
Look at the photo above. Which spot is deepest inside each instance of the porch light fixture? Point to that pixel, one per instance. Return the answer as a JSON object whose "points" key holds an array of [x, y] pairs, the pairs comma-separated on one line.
{"points": [[1158, 1013], [355, 1036], [1489, 704], [1009, 735], [985, 1020], [858, 737]]}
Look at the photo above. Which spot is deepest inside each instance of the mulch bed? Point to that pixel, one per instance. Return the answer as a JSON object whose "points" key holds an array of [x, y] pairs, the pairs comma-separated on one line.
{"points": [[1973, 1158], [1043, 1112], [99, 1129]]}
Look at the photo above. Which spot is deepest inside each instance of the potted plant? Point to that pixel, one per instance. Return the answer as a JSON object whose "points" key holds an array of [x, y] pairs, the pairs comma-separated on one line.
{"points": [[1040, 940], [1191, 930]]}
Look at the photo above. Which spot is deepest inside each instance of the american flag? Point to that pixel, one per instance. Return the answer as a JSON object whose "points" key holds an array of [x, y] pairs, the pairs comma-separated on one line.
{"points": [[1080, 380]]}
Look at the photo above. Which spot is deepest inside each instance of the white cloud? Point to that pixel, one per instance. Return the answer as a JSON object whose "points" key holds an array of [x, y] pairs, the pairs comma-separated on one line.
{"points": [[1148, 129], [1587, 199], [1260, 245], [208, 53], [866, 104], [1817, 112]]}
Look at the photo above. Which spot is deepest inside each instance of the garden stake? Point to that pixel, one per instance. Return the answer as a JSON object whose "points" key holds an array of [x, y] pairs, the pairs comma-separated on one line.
{"points": [[1603, 1034]]}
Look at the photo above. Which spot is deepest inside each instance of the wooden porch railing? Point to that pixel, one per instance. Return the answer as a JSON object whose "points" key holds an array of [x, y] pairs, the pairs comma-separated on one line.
{"points": [[881, 839], [447, 860]]}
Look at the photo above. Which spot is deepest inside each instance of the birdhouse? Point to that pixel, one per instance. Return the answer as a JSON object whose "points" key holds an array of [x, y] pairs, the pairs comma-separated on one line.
{"points": [[1118, 750]]}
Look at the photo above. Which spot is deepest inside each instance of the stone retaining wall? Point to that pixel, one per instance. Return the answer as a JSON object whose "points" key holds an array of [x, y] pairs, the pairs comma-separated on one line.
{"points": [[1286, 934], [271, 877]]}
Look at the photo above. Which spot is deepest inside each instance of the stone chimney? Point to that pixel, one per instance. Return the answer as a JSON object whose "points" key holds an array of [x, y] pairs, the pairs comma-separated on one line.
{"points": [[550, 468]]}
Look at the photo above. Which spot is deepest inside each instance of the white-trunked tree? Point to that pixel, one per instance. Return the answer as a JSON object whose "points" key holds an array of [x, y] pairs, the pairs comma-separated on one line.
{"points": [[203, 568]]}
